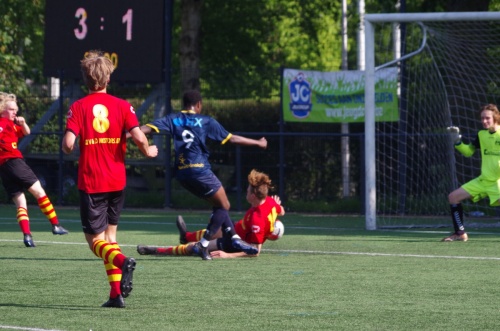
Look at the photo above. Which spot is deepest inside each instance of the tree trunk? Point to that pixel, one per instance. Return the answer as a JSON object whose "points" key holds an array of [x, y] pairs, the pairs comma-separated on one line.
{"points": [[189, 44]]}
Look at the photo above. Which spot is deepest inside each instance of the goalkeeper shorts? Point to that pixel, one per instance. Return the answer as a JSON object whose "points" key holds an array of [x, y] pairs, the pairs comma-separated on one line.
{"points": [[480, 188]]}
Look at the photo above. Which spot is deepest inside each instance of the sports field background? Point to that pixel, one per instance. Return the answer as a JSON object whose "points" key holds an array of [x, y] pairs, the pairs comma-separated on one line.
{"points": [[326, 273]]}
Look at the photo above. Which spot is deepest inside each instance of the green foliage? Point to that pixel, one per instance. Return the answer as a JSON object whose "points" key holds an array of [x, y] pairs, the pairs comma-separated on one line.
{"points": [[21, 43]]}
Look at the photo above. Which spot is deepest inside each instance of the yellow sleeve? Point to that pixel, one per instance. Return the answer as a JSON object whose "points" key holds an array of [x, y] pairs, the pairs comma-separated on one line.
{"points": [[153, 127], [465, 149]]}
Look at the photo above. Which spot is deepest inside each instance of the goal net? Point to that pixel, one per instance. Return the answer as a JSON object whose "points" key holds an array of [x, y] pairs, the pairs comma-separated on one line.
{"points": [[449, 66]]}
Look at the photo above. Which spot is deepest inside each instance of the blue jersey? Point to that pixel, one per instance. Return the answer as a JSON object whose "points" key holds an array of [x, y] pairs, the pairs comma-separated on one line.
{"points": [[189, 132]]}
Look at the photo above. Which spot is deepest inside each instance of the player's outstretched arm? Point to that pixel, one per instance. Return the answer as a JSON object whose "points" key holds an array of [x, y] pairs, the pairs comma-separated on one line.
{"points": [[224, 255], [141, 141], [239, 140], [144, 128]]}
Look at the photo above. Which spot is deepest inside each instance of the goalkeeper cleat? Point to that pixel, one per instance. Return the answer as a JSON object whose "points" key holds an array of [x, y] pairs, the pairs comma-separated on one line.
{"points": [[457, 237], [117, 302], [182, 230], [201, 251], [28, 241], [146, 250], [58, 229], [127, 275], [243, 246]]}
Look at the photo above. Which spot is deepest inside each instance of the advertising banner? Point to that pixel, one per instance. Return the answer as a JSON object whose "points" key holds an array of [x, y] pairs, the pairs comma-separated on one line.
{"points": [[337, 97]]}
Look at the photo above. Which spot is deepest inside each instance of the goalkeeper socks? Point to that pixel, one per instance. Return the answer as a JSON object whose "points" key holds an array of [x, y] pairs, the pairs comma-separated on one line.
{"points": [[457, 216], [114, 276], [48, 209], [195, 236], [23, 220], [110, 253]]}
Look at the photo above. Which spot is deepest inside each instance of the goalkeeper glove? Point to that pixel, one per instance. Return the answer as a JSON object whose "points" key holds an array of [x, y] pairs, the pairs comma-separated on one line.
{"points": [[455, 135]]}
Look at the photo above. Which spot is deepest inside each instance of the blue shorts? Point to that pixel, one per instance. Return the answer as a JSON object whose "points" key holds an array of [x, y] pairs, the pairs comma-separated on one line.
{"points": [[98, 210], [202, 186], [17, 176]]}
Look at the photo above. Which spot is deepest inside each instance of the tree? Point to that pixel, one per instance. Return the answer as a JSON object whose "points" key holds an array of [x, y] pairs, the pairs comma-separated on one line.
{"points": [[189, 44], [21, 44]]}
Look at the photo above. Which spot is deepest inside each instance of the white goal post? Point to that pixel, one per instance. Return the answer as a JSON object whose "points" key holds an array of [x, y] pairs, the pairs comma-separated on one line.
{"points": [[370, 21]]}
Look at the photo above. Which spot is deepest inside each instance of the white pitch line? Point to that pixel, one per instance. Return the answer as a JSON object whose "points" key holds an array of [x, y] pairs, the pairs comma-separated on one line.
{"points": [[289, 251], [385, 254], [9, 327]]}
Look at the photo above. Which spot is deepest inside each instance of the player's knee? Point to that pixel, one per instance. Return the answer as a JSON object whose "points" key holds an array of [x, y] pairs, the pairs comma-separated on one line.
{"points": [[453, 198], [37, 190]]}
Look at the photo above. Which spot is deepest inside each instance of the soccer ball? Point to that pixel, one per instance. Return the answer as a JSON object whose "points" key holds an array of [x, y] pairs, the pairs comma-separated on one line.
{"points": [[279, 230]]}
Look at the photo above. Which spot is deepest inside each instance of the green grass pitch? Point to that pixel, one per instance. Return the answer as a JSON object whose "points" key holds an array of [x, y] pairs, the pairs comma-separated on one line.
{"points": [[326, 273]]}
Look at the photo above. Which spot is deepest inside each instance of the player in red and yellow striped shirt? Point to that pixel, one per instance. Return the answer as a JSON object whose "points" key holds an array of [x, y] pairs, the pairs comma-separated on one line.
{"points": [[101, 121], [255, 227]]}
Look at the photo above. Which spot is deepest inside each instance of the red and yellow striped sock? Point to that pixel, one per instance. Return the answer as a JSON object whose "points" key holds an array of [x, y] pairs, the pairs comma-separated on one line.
{"points": [[173, 250], [48, 209], [110, 253], [195, 236], [23, 220], [114, 276]]}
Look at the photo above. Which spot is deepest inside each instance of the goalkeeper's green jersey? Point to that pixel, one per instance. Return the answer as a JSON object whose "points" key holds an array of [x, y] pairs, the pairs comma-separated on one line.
{"points": [[489, 145]]}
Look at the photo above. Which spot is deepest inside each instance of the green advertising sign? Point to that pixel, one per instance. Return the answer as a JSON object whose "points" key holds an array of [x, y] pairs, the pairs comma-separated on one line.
{"points": [[337, 97]]}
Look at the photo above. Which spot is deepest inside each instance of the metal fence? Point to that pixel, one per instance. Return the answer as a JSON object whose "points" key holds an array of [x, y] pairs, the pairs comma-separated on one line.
{"points": [[304, 161]]}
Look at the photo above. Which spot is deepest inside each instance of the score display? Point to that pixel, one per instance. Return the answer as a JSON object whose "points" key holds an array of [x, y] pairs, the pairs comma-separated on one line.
{"points": [[129, 32]]}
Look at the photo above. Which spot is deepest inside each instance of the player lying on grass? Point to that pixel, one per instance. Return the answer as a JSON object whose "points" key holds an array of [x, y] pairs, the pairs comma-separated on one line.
{"points": [[255, 228], [16, 175], [487, 185]]}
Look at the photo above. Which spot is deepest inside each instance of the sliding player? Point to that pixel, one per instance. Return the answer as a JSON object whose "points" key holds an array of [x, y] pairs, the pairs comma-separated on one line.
{"points": [[256, 226], [488, 182]]}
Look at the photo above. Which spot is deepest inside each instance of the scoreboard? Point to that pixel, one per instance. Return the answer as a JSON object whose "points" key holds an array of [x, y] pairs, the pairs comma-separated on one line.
{"points": [[129, 32]]}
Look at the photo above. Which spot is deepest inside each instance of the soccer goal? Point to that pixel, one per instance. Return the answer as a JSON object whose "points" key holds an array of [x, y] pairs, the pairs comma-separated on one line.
{"points": [[449, 66]]}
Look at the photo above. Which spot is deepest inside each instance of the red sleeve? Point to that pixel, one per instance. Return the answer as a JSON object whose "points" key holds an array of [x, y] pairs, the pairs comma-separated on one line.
{"points": [[72, 122], [130, 116]]}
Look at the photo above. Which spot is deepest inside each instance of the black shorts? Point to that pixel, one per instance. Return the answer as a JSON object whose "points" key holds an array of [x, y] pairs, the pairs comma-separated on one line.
{"points": [[98, 210], [202, 186], [16, 176], [226, 244]]}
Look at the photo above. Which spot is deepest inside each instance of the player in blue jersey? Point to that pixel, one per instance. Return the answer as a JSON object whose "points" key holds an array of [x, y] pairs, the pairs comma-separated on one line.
{"points": [[190, 131], [487, 185]]}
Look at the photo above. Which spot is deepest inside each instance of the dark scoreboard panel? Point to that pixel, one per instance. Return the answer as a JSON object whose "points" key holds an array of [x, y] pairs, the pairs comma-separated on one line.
{"points": [[129, 32]]}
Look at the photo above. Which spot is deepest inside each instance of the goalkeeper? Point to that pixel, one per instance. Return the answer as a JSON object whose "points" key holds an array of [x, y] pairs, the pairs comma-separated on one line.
{"points": [[488, 182]]}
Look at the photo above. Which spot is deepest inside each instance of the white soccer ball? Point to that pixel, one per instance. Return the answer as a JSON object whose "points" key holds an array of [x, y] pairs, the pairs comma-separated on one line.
{"points": [[279, 230]]}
